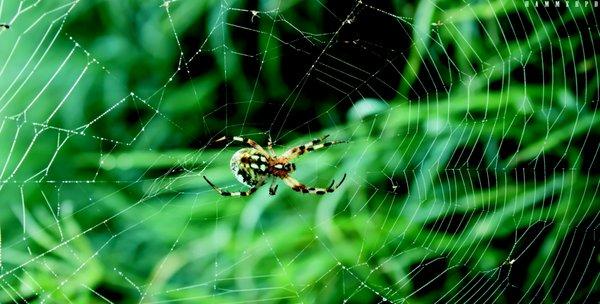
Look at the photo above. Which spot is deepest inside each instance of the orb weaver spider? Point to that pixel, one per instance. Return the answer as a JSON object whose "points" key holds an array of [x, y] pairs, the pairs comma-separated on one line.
{"points": [[252, 166]]}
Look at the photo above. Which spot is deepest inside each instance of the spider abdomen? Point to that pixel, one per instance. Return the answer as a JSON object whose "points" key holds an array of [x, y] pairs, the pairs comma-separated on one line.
{"points": [[249, 166]]}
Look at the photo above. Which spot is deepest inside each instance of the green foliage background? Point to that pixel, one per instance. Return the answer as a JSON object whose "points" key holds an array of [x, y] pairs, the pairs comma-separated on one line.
{"points": [[472, 176]]}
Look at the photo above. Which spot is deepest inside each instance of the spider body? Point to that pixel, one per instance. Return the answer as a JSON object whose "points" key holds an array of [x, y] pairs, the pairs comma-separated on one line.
{"points": [[253, 166]]}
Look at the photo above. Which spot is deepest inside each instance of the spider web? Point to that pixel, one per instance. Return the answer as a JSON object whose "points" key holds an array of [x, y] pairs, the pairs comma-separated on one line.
{"points": [[472, 163]]}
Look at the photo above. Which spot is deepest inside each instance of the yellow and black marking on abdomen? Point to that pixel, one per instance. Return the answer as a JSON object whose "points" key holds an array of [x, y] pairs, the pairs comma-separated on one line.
{"points": [[249, 166]]}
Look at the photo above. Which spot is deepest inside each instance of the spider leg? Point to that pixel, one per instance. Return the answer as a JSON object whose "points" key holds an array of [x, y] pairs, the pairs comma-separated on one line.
{"points": [[315, 144], [270, 145], [299, 187], [227, 193], [247, 141], [273, 188]]}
